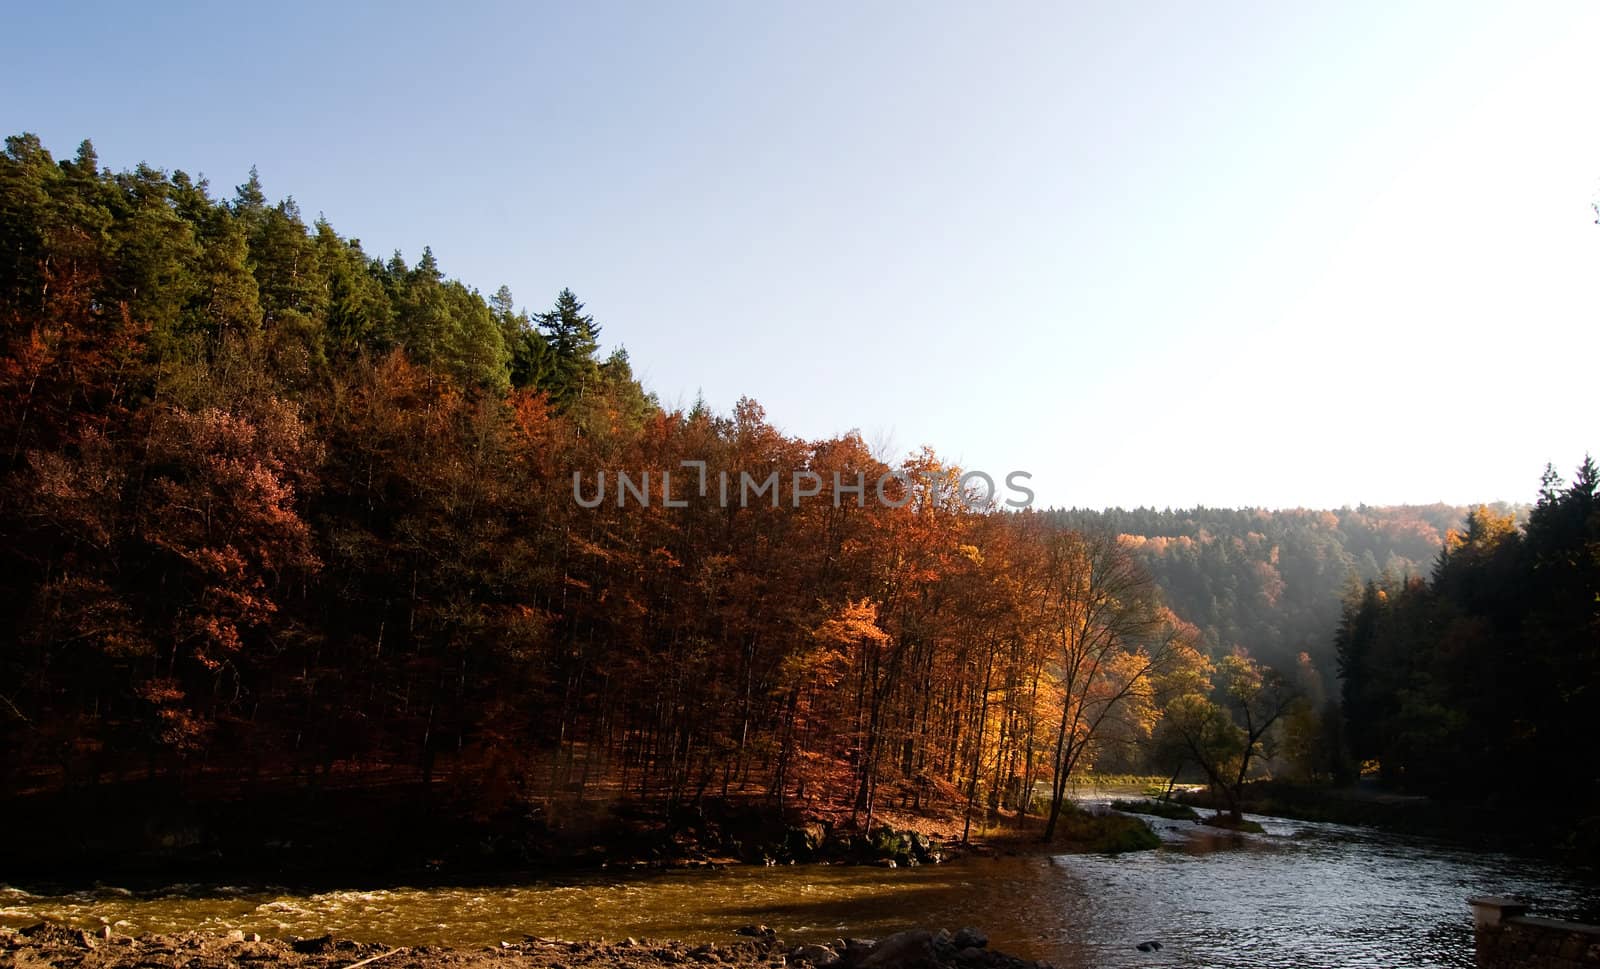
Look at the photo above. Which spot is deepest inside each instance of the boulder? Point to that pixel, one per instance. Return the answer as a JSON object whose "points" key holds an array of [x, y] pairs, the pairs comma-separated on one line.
{"points": [[854, 950], [46, 933], [970, 938], [314, 946], [813, 955], [912, 949]]}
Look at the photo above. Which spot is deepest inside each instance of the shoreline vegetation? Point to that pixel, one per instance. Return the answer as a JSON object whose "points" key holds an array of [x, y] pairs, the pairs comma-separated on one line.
{"points": [[334, 835], [1553, 827], [347, 838], [52, 945]]}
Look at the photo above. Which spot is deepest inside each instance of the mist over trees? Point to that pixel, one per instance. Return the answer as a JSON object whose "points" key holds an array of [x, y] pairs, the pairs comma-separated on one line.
{"points": [[1272, 582]]}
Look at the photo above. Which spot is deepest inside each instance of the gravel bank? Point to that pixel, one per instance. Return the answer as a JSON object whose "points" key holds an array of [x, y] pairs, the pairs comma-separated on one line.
{"points": [[61, 948]]}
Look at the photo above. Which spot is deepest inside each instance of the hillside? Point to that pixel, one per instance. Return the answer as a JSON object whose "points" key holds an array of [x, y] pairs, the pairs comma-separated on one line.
{"points": [[1273, 581]]}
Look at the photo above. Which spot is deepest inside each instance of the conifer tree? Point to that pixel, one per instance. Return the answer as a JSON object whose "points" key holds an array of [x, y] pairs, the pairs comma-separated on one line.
{"points": [[574, 338]]}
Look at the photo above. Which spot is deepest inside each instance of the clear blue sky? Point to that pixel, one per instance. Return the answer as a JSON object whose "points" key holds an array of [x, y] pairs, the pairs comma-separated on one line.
{"points": [[1268, 254]]}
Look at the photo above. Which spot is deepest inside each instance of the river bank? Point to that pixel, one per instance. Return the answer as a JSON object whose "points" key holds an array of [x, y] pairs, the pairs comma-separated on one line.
{"points": [[1211, 897], [1549, 827], [145, 835], [64, 948]]}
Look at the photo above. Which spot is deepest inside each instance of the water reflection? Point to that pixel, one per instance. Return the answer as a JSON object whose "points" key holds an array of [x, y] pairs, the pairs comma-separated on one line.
{"points": [[1302, 894]]}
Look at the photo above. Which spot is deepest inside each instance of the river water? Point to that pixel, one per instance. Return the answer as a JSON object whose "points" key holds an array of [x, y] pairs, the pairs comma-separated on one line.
{"points": [[1302, 894]]}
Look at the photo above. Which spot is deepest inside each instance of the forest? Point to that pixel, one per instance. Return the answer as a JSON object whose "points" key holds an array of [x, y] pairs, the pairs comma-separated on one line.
{"points": [[277, 511], [1481, 680], [1272, 581], [281, 514]]}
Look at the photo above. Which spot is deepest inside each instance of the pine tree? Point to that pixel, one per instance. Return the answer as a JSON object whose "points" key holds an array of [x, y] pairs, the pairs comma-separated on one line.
{"points": [[632, 403], [249, 199], [358, 308], [155, 253], [573, 337], [292, 284], [530, 359], [474, 348], [228, 300]]}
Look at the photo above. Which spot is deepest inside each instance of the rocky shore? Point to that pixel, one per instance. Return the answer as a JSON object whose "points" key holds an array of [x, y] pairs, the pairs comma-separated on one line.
{"points": [[757, 946]]}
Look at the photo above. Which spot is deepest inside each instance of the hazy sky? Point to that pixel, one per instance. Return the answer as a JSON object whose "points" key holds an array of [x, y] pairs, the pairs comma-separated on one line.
{"points": [[1276, 254]]}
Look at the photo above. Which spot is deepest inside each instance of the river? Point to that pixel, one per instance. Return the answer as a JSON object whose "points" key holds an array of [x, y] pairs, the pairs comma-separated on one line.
{"points": [[1302, 894]]}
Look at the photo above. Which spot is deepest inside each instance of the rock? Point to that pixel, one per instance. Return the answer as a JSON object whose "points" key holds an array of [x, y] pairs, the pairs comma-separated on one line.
{"points": [[756, 931], [745, 953], [971, 956], [854, 950], [105, 933], [235, 935], [47, 934], [252, 936], [1151, 946], [813, 955], [970, 938], [321, 943], [912, 949], [816, 834], [889, 863]]}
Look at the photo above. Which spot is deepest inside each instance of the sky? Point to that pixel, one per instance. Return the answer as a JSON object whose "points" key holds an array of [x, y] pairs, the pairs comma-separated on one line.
{"points": [[1153, 254]]}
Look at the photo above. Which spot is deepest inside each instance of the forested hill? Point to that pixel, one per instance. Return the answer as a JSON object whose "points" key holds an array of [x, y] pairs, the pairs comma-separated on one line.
{"points": [[1273, 581], [275, 513]]}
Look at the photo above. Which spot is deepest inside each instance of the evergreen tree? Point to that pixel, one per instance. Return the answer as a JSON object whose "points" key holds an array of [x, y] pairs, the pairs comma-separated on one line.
{"points": [[358, 307], [574, 338], [633, 405], [155, 252], [227, 299], [531, 361], [293, 288], [249, 200], [475, 349]]}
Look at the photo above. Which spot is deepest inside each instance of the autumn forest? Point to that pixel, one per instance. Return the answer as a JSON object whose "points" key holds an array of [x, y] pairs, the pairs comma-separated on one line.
{"points": [[283, 515]]}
